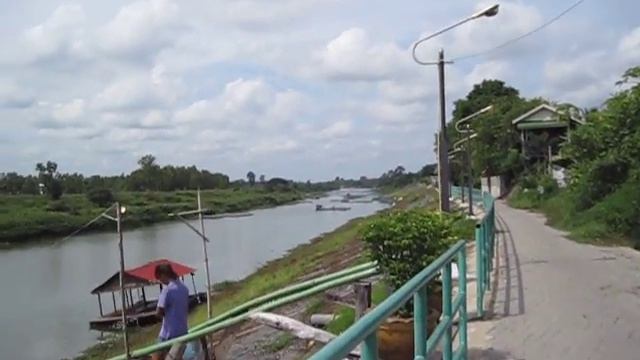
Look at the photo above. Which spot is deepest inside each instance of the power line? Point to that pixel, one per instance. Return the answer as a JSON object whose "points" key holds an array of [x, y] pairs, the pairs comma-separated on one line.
{"points": [[85, 226], [516, 39]]}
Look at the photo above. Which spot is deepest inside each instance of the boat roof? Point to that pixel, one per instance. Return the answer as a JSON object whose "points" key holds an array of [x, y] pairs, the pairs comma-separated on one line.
{"points": [[140, 276]]}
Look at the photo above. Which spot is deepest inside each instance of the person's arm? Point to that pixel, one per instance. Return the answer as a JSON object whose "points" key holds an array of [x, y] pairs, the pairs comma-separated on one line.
{"points": [[162, 303]]}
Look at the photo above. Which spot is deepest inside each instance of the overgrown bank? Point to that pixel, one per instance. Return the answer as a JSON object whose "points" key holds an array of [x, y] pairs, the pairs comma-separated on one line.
{"points": [[33, 217]]}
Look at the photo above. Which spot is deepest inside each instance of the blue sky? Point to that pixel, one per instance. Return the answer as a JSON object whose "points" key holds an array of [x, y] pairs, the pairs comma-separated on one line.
{"points": [[306, 89]]}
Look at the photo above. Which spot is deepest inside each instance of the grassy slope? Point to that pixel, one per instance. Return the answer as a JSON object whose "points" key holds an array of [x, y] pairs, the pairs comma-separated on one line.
{"points": [[304, 259], [29, 217], [585, 227]]}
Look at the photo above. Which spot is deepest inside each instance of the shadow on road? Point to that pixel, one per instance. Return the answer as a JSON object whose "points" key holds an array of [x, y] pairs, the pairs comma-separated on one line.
{"points": [[509, 277]]}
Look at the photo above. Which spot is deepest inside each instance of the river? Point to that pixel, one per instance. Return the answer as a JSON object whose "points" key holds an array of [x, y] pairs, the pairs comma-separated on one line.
{"points": [[46, 305]]}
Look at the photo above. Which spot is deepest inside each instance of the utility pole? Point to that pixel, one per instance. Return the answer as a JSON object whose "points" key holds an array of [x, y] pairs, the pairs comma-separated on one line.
{"points": [[443, 149], [206, 256], [122, 293]]}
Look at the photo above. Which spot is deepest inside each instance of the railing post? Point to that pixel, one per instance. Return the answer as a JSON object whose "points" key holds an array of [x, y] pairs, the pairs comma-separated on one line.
{"points": [[447, 351], [462, 285], [420, 313], [479, 271], [487, 254], [370, 347]]}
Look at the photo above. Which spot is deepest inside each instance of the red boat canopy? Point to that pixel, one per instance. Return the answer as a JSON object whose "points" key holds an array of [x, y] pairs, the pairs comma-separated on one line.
{"points": [[141, 276]]}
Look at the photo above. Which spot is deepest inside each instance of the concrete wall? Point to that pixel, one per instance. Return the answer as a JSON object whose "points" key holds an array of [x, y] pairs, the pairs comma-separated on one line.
{"points": [[495, 185]]}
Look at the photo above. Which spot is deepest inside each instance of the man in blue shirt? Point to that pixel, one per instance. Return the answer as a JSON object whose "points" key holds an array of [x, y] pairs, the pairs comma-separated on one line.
{"points": [[173, 306]]}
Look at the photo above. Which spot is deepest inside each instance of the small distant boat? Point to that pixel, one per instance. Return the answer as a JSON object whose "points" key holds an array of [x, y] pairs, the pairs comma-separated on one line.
{"points": [[332, 208], [140, 311]]}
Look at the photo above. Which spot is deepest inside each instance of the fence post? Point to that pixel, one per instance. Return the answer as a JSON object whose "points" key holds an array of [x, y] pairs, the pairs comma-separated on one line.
{"points": [[479, 271], [462, 284], [370, 347], [447, 351], [420, 313]]}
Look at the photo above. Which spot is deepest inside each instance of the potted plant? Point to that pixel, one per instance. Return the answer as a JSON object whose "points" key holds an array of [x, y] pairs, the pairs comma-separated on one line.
{"points": [[404, 243]]}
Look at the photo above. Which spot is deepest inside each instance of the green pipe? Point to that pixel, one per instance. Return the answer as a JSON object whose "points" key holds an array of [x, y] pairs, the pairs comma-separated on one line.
{"points": [[195, 334], [282, 292]]}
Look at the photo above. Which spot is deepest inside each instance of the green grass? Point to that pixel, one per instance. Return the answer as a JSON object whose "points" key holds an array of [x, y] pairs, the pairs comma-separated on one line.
{"points": [[600, 225], [32, 217], [345, 316]]}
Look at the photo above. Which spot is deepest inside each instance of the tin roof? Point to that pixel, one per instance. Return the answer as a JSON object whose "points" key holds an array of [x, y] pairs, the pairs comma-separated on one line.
{"points": [[140, 276]]}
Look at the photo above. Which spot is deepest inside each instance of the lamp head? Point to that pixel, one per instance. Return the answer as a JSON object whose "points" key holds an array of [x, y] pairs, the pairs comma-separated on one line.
{"points": [[488, 12]]}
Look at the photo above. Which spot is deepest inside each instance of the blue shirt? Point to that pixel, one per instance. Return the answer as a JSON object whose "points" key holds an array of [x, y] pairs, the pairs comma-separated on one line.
{"points": [[174, 299]]}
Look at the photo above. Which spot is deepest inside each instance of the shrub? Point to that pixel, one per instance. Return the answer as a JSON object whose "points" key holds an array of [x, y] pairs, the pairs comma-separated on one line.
{"points": [[101, 197], [58, 206], [405, 242]]}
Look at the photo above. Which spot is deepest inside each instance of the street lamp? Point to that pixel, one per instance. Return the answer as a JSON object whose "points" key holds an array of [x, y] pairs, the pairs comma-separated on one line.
{"points": [[443, 161], [469, 135]]}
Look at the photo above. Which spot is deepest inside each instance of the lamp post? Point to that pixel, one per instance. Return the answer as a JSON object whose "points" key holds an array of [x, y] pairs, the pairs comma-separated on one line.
{"points": [[467, 139], [443, 161]]}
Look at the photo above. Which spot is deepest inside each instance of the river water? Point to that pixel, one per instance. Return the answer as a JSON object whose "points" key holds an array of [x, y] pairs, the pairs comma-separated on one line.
{"points": [[45, 300]]}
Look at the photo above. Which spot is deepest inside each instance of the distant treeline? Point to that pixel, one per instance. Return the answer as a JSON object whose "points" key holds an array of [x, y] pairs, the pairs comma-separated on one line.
{"points": [[150, 176]]}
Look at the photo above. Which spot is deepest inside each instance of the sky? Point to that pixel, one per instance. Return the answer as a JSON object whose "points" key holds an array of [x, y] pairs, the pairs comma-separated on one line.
{"points": [[304, 89]]}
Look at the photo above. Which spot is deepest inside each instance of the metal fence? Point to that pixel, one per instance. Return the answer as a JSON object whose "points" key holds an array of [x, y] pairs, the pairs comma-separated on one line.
{"points": [[365, 330]]}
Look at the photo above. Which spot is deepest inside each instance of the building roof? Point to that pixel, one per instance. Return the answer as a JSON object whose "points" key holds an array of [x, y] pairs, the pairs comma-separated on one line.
{"points": [[140, 276], [530, 116]]}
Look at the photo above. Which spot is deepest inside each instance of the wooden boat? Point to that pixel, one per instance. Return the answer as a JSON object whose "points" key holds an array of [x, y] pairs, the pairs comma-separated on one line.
{"points": [[140, 310], [332, 208]]}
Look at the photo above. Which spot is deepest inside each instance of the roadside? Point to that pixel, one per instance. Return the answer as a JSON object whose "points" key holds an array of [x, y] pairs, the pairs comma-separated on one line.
{"points": [[553, 297], [25, 218], [611, 222]]}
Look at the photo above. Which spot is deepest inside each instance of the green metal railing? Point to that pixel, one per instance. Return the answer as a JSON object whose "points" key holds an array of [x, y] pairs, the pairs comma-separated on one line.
{"points": [[365, 330], [264, 303], [485, 249]]}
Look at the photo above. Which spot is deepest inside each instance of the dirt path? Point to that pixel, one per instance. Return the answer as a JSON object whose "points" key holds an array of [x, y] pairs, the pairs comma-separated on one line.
{"points": [[556, 298]]}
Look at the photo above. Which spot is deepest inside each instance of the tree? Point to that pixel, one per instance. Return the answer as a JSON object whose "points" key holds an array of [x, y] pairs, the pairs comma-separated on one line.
{"points": [[496, 141], [399, 170], [49, 176], [101, 197], [262, 179], [251, 178]]}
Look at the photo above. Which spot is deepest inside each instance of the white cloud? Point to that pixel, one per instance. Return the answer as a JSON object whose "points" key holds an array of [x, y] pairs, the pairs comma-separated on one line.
{"points": [[139, 90], [246, 103], [629, 46], [353, 56], [69, 111], [267, 147], [495, 69], [60, 34], [338, 129], [236, 79], [141, 27], [12, 96]]}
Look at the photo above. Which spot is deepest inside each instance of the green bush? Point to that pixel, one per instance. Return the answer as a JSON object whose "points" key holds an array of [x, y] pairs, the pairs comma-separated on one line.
{"points": [[405, 242], [101, 197]]}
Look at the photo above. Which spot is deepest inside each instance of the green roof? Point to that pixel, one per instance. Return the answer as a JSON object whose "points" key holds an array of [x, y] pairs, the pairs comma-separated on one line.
{"points": [[540, 125]]}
